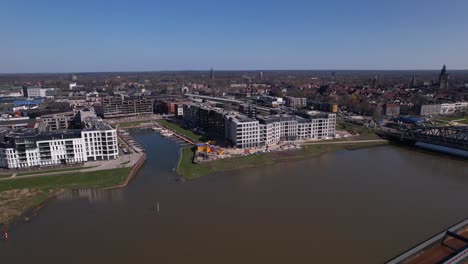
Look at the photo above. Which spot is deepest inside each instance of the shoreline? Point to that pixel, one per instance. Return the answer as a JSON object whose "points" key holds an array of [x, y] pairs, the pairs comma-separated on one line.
{"points": [[191, 171], [36, 197]]}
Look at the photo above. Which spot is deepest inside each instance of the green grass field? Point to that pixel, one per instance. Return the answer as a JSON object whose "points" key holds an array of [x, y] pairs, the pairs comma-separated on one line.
{"points": [[193, 171], [186, 133], [94, 179], [48, 171], [459, 119], [129, 124]]}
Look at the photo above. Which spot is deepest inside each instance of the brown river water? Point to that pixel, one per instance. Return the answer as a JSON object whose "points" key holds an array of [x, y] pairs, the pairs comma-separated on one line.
{"points": [[361, 206]]}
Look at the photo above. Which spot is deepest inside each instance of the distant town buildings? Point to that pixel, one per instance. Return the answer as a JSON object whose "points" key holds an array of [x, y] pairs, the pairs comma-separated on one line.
{"points": [[391, 110], [75, 86]]}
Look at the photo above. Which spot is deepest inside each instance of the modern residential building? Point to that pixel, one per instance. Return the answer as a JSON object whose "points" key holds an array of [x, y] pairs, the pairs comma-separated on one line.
{"points": [[270, 101], [443, 109], [242, 131], [296, 102], [23, 148], [169, 106], [428, 110], [447, 109], [56, 121], [245, 132], [205, 116], [39, 92], [123, 106], [248, 109]]}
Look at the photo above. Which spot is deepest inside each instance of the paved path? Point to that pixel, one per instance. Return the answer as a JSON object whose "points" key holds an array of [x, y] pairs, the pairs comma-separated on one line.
{"points": [[345, 142]]}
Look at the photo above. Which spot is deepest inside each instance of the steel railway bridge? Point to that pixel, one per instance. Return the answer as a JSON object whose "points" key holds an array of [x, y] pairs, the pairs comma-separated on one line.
{"points": [[452, 136]]}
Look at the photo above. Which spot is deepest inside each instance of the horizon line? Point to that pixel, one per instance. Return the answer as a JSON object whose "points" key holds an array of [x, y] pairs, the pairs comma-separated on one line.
{"points": [[220, 70]]}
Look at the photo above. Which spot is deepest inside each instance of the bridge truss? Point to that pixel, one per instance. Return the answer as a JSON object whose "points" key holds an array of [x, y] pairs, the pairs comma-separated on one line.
{"points": [[454, 136]]}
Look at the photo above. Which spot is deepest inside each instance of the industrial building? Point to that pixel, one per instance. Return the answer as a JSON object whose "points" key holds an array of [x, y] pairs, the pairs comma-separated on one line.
{"points": [[23, 148], [123, 106]]}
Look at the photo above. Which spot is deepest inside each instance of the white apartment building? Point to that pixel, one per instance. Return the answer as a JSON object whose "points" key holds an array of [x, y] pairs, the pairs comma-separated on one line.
{"points": [[242, 131], [443, 109], [447, 109], [22, 148], [39, 92], [246, 132]]}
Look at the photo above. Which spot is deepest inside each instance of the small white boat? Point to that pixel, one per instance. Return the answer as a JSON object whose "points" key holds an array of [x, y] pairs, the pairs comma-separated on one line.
{"points": [[157, 128]]}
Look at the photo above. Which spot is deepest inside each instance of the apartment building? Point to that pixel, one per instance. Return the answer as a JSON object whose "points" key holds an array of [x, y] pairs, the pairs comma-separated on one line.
{"points": [[169, 106], [242, 131], [56, 121], [123, 106], [447, 109], [248, 109], [296, 102], [23, 148], [245, 132], [205, 116], [39, 92], [428, 110], [443, 109]]}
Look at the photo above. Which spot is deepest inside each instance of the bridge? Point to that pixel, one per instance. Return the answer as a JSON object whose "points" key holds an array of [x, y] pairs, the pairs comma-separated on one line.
{"points": [[451, 136]]}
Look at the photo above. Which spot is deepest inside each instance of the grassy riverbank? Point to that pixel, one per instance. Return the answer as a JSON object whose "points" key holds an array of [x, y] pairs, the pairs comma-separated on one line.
{"points": [[21, 194], [182, 131], [192, 171], [27, 173], [76, 180], [15, 202]]}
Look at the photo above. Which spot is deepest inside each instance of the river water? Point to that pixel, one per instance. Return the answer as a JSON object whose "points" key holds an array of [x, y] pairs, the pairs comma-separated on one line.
{"points": [[361, 206]]}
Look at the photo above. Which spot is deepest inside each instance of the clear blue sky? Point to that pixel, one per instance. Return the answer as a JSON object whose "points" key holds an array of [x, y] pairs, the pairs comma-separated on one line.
{"points": [[99, 35]]}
